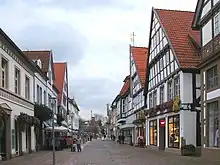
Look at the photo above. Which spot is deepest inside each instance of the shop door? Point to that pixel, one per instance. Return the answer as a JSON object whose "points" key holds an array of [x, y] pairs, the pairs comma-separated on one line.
{"points": [[162, 125]]}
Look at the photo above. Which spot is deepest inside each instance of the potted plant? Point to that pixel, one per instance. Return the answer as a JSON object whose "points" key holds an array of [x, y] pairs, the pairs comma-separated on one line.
{"points": [[188, 150]]}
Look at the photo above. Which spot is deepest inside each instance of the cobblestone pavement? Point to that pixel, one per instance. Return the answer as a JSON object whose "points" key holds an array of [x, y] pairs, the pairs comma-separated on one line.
{"points": [[100, 152]]}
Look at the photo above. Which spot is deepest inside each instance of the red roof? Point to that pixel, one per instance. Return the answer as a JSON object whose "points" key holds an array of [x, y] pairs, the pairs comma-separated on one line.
{"points": [[43, 55], [140, 56], [126, 86], [59, 71], [177, 25]]}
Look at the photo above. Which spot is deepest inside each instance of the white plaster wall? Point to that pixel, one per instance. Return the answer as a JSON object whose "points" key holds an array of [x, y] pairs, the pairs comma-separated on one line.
{"points": [[188, 126], [11, 73], [16, 107], [213, 94], [16, 110], [187, 118]]}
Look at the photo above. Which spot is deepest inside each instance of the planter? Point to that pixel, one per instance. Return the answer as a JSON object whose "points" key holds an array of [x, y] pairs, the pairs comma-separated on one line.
{"points": [[188, 150]]}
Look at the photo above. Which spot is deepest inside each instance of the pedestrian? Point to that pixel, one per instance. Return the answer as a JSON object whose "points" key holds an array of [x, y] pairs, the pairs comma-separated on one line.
{"points": [[78, 144]]}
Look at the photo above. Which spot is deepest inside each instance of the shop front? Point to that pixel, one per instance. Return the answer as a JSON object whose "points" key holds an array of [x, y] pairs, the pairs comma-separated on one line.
{"points": [[165, 131], [211, 142]]}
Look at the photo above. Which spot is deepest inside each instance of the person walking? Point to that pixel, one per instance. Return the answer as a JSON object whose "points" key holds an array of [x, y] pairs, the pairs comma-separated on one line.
{"points": [[78, 144]]}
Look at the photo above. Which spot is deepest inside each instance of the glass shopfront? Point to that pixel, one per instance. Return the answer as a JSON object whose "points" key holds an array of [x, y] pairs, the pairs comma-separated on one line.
{"points": [[153, 132], [213, 124], [173, 131]]}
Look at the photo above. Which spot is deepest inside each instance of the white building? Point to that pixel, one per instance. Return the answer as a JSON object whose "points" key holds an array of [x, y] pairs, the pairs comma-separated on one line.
{"points": [[16, 97], [73, 117], [138, 59], [173, 86], [44, 86]]}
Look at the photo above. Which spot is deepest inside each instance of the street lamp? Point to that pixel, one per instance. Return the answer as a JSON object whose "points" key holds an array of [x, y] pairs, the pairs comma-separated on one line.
{"points": [[53, 106]]}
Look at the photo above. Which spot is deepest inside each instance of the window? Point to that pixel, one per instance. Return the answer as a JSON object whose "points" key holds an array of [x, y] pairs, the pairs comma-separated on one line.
{"points": [[123, 105], [177, 86], [216, 24], [49, 101], [38, 94], [173, 131], [41, 95], [153, 132], [150, 100], [161, 94], [45, 98], [207, 33], [27, 88], [169, 90], [212, 77], [213, 124], [64, 100], [4, 73], [13, 138], [155, 98], [17, 81]]}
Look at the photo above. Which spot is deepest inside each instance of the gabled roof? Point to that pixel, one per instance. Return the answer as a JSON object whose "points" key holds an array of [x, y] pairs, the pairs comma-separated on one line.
{"points": [[198, 13], [140, 56], [126, 86], [59, 70], [178, 27], [43, 55]]}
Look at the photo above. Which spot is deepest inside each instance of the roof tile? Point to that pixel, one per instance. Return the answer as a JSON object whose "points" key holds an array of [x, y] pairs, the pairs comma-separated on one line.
{"points": [[140, 56], [178, 26], [126, 86], [43, 55], [59, 70]]}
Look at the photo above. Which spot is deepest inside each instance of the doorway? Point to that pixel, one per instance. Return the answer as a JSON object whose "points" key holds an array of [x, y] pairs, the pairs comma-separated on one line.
{"points": [[2, 137], [162, 125]]}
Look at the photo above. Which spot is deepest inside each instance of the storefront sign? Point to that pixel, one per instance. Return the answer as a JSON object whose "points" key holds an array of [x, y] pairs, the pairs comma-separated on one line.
{"points": [[162, 123]]}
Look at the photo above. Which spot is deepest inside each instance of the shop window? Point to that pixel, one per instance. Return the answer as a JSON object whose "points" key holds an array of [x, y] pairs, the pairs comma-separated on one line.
{"points": [[173, 131], [213, 124], [153, 132]]}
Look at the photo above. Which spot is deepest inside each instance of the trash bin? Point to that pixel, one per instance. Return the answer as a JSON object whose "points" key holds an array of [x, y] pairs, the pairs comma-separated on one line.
{"points": [[73, 148]]}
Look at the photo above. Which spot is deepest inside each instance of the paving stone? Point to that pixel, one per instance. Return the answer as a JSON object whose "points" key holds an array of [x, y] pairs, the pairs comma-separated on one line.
{"points": [[100, 152]]}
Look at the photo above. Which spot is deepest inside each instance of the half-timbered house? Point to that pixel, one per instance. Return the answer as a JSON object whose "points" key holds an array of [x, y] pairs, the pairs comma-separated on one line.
{"points": [[138, 59], [207, 20], [173, 81]]}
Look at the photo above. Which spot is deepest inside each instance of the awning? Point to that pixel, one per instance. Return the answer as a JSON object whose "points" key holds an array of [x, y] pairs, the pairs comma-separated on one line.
{"points": [[127, 125], [46, 124], [61, 128], [64, 123]]}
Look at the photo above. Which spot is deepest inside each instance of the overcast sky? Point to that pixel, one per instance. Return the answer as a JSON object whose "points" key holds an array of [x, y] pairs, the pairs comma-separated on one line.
{"points": [[91, 35]]}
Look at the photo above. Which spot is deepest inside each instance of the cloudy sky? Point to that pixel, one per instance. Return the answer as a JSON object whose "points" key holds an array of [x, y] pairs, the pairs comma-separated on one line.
{"points": [[91, 35]]}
